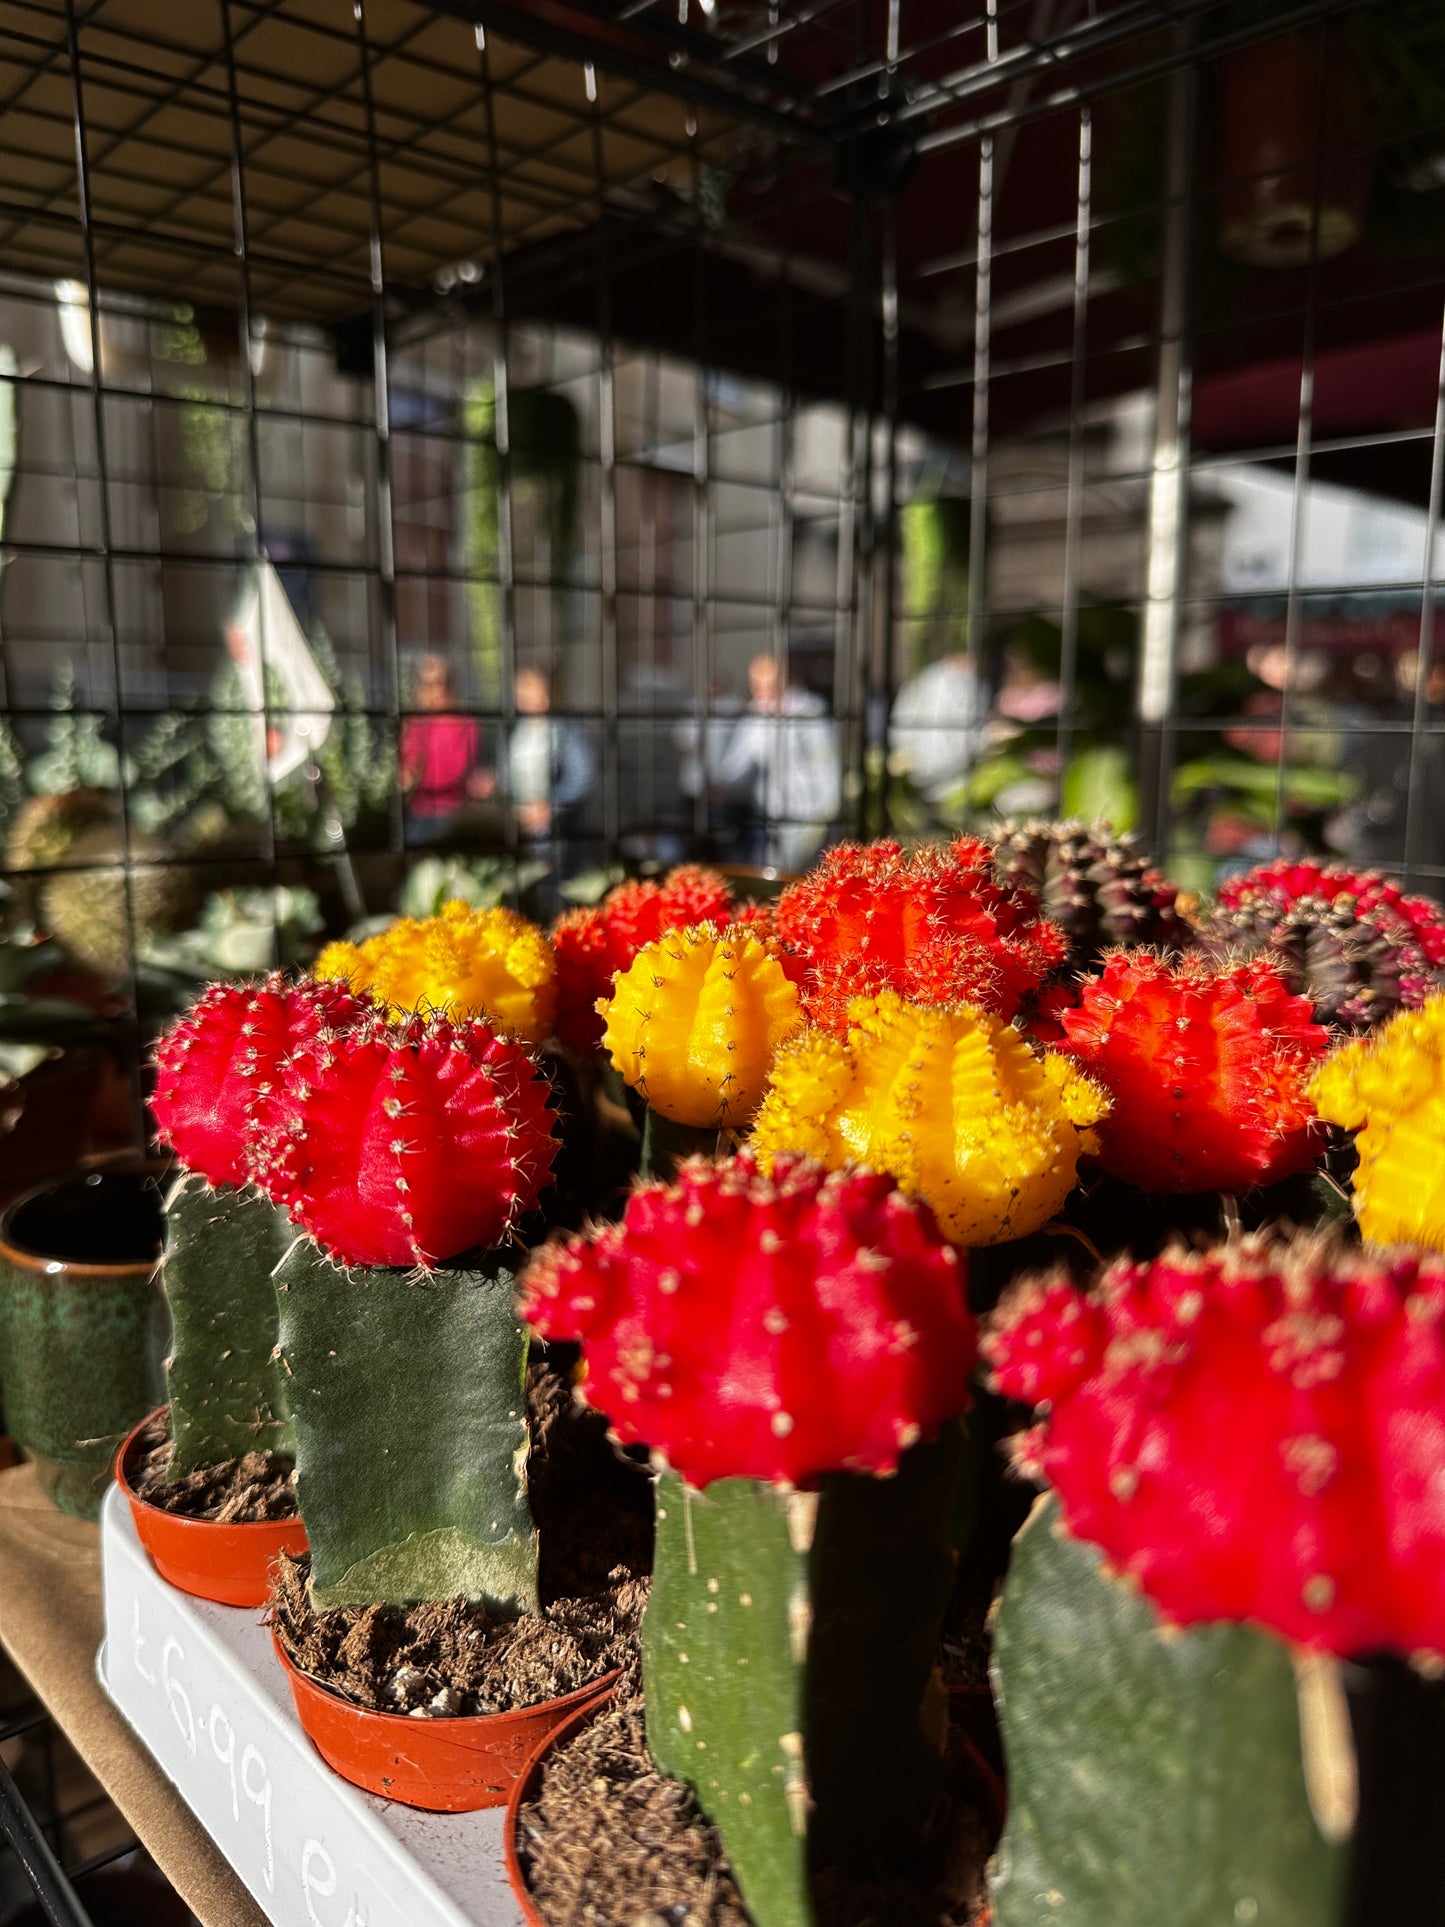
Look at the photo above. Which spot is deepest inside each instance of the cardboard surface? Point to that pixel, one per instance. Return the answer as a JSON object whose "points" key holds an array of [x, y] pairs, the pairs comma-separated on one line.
{"points": [[51, 1625]]}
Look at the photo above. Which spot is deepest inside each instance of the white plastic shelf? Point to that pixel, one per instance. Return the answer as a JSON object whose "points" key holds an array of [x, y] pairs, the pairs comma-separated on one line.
{"points": [[202, 1687]]}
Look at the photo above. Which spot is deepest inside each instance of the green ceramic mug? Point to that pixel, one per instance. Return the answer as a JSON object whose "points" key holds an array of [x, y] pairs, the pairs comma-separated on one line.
{"points": [[82, 1323]]}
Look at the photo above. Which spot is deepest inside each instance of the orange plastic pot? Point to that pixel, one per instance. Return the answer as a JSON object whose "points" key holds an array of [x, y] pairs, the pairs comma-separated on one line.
{"points": [[230, 1564], [529, 1784], [526, 1787], [448, 1765]]}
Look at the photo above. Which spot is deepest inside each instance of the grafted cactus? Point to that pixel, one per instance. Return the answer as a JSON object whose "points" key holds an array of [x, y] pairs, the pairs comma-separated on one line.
{"points": [[1097, 887], [762, 1334], [1356, 968], [935, 927]]}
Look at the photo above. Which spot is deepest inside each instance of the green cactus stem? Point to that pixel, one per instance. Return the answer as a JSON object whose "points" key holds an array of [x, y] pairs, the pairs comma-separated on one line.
{"points": [[665, 1144], [224, 1381], [408, 1392], [788, 1651], [1154, 1775]]}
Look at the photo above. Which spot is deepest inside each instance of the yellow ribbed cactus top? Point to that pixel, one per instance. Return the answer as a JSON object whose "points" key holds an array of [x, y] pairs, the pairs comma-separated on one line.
{"points": [[694, 1023], [463, 963], [1390, 1088], [953, 1101]]}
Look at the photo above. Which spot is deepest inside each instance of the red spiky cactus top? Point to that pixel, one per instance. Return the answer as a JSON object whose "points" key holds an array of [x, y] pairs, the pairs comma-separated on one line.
{"points": [[592, 945], [1284, 883], [220, 1068], [409, 1144], [765, 1327], [937, 927], [1253, 1432], [1208, 1070]]}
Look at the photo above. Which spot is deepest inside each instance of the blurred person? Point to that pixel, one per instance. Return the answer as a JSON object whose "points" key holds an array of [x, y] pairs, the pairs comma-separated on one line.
{"points": [[783, 757], [438, 754], [939, 727], [550, 768], [701, 743]]}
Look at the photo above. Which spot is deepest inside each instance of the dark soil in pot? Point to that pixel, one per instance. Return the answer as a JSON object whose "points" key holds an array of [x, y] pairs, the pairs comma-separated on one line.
{"points": [[452, 1657], [611, 1841], [257, 1487], [593, 1511]]}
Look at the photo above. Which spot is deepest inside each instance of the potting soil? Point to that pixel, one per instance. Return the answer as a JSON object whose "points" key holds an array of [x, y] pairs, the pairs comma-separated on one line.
{"points": [[245, 1491], [611, 1841], [451, 1657]]}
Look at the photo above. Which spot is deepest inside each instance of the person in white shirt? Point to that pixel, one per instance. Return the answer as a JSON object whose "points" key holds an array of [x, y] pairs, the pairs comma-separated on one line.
{"points": [[939, 727], [783, 755]]}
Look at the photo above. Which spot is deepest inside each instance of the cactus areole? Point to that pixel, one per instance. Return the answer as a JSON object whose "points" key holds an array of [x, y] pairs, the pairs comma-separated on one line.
{"points": [[1254, 1432], [765, 1327]]}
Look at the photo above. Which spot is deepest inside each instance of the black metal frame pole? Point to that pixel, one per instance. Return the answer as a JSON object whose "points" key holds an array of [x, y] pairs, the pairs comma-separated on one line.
{"points": [[57, 1898]]}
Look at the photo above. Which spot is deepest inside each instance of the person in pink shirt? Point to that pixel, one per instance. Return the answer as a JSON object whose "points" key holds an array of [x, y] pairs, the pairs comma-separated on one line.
{"points": [[439, 754]]}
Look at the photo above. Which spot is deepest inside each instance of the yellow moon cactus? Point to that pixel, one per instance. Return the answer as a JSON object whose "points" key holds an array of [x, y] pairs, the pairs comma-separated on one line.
{"points": [[952, 1101], [695, 1021], [1390, 1088], [463, 963]]}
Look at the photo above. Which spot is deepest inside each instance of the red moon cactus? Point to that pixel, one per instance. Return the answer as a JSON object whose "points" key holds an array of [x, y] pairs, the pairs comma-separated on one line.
{"points": [[1253, 1432], [221, 1068], [409, 1144], [1208, 1070], [769, 1328]]}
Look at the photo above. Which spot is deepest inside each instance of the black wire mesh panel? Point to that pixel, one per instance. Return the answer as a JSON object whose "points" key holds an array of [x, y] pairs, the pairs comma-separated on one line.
{"points": [[615, 432]]}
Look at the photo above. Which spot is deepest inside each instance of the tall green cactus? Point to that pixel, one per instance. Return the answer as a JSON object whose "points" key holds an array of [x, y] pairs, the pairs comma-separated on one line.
{"points": [[224, 1381], [783, 1683], [411, 1432], [1155, 1776]]}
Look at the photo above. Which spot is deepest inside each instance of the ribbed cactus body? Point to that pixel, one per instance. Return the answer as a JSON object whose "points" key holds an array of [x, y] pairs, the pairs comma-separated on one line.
{"points": [[1097, 888], [935, 927], [409, 1144], [593, 945], [1153, 1775], [1390, 1090], [460, 963], [954, 1103], [1207, 1069], [1252, 1432], [1356, 969], [695, 1021], [772, 1327], [1285, 882], [222, 1068]]}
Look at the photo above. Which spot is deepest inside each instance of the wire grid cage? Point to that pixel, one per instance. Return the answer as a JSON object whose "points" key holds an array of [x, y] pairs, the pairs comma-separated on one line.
{"points": [[550, 437]]}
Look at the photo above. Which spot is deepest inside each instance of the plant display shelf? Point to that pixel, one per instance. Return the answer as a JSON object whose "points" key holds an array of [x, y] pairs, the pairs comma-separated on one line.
{"points": [[50, 1625], [202, 1687]]}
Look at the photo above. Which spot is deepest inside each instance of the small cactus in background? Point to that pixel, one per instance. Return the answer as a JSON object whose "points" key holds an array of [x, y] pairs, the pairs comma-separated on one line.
{"points": [[759, 1332], [1284, 882], [695, 1022], [1097, 887], [461, 963], [1390, 1090], [767, 1327], [937, 927], [593, 944], [407, 1144], [1356, 968], [1250, 1432], [1207, 1069], [221, 1068], [954, 1103]]}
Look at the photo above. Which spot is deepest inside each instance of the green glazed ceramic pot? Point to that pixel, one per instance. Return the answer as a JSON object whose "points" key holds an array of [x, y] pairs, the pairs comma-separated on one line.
{"points": [[82, 1324]]}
